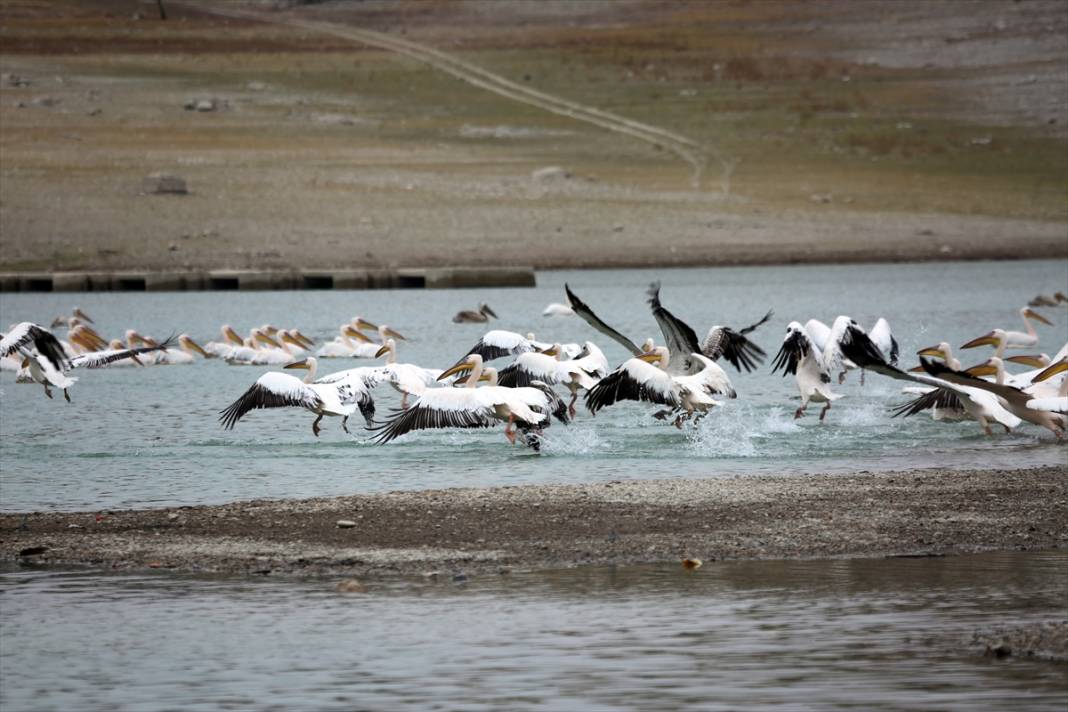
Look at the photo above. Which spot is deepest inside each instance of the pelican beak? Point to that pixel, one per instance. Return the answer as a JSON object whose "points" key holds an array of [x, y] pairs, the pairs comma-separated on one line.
{"points": [[983, 369], [1051, 371], [932, 351], [487, 310], [303, 363], [391, 333], [289, 339], [551, 351], [358, 335], [458, 368], [916, 369], [1032, 360], [650, 357], [984, 340], [25, 362], [82, 315], [58, 321], [231, 335], [1037, 317], [362, 323], [308, 342], [265, 339], [382, 351], [485, 376], [196, 347]]}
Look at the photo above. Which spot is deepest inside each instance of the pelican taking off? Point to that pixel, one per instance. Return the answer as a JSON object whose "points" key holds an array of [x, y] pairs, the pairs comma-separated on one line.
{"points": [[800, 356]]}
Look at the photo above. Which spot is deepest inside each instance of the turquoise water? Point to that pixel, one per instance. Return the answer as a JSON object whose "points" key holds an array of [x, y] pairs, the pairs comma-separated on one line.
{"points": [[146, 437], [889, 634]]}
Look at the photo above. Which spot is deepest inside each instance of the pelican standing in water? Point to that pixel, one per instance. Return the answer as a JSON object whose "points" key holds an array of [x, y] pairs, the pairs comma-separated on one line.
{"points": [[800, 356], [478, 316], [281, 390]]}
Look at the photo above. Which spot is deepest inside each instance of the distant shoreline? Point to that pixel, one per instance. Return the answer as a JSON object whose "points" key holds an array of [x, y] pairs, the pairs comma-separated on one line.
{"points": [[930, 512]]}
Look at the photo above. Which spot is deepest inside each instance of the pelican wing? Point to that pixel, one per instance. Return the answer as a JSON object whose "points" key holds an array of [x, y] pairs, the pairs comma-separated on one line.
{"points": [[938, 398], [528, 368], [97, 359], [441, 408], [635, 380], [1056, 404], [937, 369], [882, 337], [795, 346], [271, 390], [497, 343], [42, 339], [678, 336], [711, 379], [593, 320]]}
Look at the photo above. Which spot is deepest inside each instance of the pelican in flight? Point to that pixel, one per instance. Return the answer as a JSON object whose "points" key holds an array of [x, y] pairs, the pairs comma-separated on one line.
{"points": [[638, 379], [979, 403], [281, 390], [497, 343], [1004, 339], [476, 316], [800, 356], [547, 367], [527, 409]]}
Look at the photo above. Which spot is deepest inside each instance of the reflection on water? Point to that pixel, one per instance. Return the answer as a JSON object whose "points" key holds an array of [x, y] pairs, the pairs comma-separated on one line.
{"points": [[850, 634], [149, 437]]}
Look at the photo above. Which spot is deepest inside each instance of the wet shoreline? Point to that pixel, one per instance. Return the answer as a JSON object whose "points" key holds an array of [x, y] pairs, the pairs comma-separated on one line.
{"points": [[930, 512]]}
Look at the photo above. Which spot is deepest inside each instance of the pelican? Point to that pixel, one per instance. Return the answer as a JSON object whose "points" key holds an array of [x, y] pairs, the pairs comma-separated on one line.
{"points": [[353, 386], [636, 379], [406, 378], [479, 316], [1015, 400], [546, 367], [497, 343], [280, 390], [1012, 339], [352, 343], [471, 407], [1042, 300], [76, 315], [1058, 401], [800, 356], [696, 390], [230, 339], [557, 309], [46, 365], [980, 404]]}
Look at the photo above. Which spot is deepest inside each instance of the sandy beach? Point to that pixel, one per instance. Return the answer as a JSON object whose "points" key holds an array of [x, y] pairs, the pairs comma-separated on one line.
{"points": [[486, 531]]}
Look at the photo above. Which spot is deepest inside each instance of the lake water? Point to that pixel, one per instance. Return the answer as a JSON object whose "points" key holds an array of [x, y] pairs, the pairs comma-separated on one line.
{"points": [[753, 635], [149, 437]]}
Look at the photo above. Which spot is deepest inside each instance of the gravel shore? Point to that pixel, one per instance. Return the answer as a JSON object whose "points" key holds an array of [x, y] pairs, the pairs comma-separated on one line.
{"points": [[923, 513]]}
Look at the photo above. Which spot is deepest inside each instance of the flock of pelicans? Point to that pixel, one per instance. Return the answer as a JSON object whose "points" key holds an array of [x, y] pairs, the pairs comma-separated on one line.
{"points": [[681, 377]]}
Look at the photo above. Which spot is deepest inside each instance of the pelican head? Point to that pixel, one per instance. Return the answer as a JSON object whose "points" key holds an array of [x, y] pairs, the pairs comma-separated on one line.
{"points": [[659, 354], [287, 336], [303, 363], [1029, 313], [469, 363], [1052, 370], [648, 345], [301, 337], [940, 351], [232, 336], [258, 336], [269, 329], [353, 333], [384, 332], [1032, 360], [993, 338], [986, 368], [553, 350], [82, 315], [358, 322], [390, 345], [484, 308], [133, 338], [189, 345]]}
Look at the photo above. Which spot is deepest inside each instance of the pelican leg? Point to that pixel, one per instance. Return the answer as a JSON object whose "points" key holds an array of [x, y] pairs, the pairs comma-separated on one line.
{"points": [[571, 405], [315, 425], [662, 414], [404, 402], [1007, 428], [509, 431], [985, 425], [841, 377], [699, 416], [800, 411], [827, 407], [48, 391], [862, 376], [66, 395], [345, 425], [678, 421]]}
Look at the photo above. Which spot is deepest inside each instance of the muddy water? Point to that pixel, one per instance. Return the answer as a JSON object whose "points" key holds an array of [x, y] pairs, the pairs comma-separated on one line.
{"points": [[858, 634]]}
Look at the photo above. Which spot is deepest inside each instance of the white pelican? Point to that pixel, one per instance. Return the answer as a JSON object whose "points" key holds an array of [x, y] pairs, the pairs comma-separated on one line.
{"points": [[344, 346], [636, 379], [475, 316], [76, 315], [230, 339], [980, 404], [1012, 339], [546, 367], [472, 407], [406, 378], [557, 309], [354, 387], [800, 356], [696, 390], [1058, 400], [29, 339], [497, 343], [1015, 400], [280, 390]]}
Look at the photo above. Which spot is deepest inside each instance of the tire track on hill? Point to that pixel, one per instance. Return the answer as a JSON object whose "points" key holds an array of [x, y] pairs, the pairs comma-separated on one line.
{"points": [[688, 150]]}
